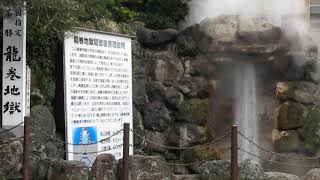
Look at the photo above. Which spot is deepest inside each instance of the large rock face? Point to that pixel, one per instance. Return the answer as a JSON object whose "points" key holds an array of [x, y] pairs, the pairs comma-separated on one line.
{"points": [[11, 155], [147, 168]]}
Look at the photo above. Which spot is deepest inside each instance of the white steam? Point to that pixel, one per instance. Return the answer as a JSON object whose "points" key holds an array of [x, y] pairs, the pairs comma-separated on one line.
{"points": [[201, 9]]}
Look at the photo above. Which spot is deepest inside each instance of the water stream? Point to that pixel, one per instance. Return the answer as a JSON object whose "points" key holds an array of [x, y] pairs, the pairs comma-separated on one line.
{"points": [[246, 107]]}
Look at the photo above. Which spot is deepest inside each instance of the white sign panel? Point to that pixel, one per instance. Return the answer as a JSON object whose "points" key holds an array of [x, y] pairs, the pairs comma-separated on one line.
{"points": [[14, 67], [98, 93]]}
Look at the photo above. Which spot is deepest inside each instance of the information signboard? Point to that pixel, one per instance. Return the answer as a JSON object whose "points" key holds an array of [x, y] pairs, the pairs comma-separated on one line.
{"points": [[14, 66], [98, 93]]}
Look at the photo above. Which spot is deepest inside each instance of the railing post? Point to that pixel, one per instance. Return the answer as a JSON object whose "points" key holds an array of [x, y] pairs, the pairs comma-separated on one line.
{"points": [[234, 152], [26, 147], [126, 151]]}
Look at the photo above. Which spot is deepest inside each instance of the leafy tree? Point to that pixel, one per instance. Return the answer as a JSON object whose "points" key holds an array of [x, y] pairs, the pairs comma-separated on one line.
{"points": [[47, 20]]}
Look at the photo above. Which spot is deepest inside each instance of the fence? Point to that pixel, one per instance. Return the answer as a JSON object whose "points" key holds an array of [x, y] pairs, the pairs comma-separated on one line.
{"points": [[234, 133]]}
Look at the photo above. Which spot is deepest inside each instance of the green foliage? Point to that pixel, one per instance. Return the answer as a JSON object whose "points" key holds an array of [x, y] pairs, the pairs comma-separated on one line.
{"points": [[95, 9], [157, 14], [47, 20]]}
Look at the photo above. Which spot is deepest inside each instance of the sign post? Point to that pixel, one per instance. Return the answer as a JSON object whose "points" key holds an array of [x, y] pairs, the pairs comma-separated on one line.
{"points": [[14, 66], [98, 93]]}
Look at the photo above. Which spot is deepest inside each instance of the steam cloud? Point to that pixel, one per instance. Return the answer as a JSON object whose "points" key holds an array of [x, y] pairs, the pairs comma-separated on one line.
{"points": [[276, 9]]}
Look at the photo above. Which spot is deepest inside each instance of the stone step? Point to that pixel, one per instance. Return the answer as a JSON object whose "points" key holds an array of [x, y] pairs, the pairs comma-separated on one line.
{"points": [[186, 177]]}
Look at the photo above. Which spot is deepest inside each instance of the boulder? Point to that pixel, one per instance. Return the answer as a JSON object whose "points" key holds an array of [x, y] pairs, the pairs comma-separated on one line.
{"points": [[220, 170], [186, 134], [279, 176], [200, 66], [156, 117], [155, 137], [291, 115], [155, 91], [147, 168], [104, 168], [36, 97], [43, 125], [222, 29], [199, 154], [164, 67], [148, 37], [312, 174], [215, 170], [195, 111], [288, 142], [53, 169], [310, 131], [11, 155], [258, 30], [194, 87], [173, 97], [302, 91], [242, 35], [250, 170], [193, 41]]}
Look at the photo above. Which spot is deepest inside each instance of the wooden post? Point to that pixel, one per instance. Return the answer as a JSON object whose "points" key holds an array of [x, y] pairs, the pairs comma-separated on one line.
{"points": [[26, 147], [234, 152], [126, 131]]}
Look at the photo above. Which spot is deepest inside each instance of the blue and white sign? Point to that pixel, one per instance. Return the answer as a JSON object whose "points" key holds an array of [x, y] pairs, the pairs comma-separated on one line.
{"points": [[98, 93]]}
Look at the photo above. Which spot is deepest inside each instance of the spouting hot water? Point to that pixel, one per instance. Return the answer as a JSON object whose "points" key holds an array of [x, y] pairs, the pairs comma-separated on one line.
{"points": [[246, 107]]}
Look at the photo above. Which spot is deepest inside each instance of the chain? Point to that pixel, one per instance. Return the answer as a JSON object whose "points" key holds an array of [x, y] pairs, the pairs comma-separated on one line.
{"points": [[181, 148], [64, 142], [7, 130], [278, 154], [277, 162], [91, 152], [182, 164]]}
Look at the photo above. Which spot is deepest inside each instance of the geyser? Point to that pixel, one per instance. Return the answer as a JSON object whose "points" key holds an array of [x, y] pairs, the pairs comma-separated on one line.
{"points": [[246, 107]]}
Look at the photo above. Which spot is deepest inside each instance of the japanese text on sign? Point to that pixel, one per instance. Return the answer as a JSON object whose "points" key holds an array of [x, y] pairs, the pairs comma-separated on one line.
{"points": [[98, 92]]}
